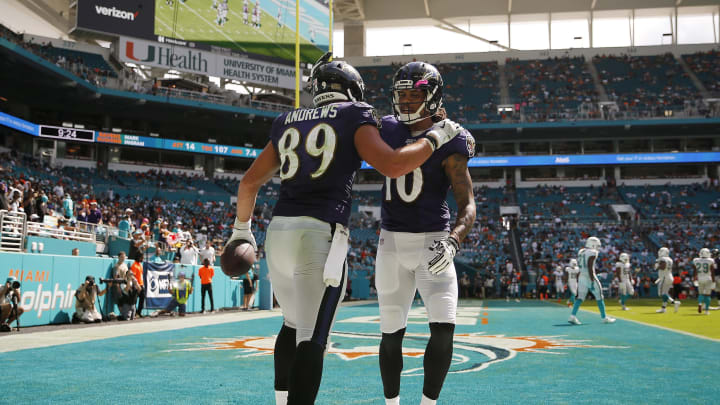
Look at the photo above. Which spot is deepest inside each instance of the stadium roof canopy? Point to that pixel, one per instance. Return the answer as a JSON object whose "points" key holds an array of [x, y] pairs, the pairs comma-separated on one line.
{"points": [[377, 10]]}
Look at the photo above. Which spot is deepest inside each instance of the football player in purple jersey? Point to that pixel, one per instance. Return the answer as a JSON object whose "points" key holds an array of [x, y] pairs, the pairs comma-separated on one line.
{"points": [[417, 243], [317, 151]]}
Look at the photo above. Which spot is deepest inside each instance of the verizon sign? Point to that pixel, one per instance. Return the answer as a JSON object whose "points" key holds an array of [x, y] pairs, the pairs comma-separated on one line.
{"points": [[115, 13], [192, 60], [136, 17]]}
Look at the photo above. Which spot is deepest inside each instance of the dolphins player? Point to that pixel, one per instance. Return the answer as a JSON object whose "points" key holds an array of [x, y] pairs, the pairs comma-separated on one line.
{"points": [[572, 271], [663, 265], [417, 242], [623, 272], [588, 281], [705, 278], [559, 285]]}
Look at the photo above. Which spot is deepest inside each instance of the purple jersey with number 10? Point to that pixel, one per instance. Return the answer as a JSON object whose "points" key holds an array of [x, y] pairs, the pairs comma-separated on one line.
{"points": [[416, 202], [318, 159]]}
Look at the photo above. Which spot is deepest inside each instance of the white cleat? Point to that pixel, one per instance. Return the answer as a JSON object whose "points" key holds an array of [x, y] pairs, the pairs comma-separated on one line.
{"points": [[626, 309], [707, 312], [507, 299], [517, 300], [677, 305], [608, 319], [661, 311], [573, 320]]}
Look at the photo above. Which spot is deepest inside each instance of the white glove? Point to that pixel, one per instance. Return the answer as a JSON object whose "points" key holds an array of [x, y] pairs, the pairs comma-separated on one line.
{"points": [[241, 231], [444, 250], [442, 132], [658, 280]]}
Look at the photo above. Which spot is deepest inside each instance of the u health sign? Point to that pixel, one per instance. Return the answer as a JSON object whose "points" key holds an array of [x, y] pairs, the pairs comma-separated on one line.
{"points": [[193, 60]]}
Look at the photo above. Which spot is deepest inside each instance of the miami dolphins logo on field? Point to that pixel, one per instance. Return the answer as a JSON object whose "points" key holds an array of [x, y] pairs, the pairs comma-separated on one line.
{"points": [[472, 351]]}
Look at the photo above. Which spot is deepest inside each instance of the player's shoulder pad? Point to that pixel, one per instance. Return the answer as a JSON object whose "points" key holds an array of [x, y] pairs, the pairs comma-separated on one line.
{"points": [[366, 108]]}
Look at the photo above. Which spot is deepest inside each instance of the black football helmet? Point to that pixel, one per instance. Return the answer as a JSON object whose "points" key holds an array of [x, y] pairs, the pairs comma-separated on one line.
{"points": [[334, 81], [417, 75]]}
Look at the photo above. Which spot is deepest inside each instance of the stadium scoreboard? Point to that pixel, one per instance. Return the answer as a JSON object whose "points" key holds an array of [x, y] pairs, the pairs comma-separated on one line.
{"points": [[66, 134]]}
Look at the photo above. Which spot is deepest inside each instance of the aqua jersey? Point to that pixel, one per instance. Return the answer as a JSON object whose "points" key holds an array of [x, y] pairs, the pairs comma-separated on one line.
{"points": [[703, 268], [583, 259]]}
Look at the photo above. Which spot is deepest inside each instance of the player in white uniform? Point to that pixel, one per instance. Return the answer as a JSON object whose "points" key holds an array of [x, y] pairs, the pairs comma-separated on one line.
{"points": [[663, 265], [705, 278], [559, 285], [572, 271], [623, 271], [588, 281]]}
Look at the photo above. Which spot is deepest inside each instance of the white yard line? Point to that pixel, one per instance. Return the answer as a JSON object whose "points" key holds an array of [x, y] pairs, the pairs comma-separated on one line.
{"points": [[23, 341], [169, 28], [213, 26]]}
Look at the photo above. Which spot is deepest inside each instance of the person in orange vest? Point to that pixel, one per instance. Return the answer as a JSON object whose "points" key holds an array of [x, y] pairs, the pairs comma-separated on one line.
{"points": [[137, 270], [206, 275]]}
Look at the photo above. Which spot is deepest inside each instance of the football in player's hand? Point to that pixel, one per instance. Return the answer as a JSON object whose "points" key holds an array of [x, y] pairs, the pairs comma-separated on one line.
{"points": [[662, 265], [237, 258]]}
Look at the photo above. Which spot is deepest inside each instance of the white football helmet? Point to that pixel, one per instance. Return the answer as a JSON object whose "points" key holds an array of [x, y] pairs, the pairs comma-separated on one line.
{"points": [[624, 257], [705, 253], [593, 243], [664, 252], [573, 262]]}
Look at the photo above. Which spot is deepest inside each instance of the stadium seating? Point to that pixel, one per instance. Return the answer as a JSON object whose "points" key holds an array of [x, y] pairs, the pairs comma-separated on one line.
{"points": [[646, 84], [706, 66], [542, 88]]}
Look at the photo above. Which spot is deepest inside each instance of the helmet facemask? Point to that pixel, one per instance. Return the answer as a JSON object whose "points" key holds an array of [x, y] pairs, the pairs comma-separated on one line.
{"points": [[425, 109]]}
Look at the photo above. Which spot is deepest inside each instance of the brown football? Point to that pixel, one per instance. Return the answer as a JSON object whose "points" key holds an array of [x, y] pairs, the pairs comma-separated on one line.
{"points": [[237, 258]]}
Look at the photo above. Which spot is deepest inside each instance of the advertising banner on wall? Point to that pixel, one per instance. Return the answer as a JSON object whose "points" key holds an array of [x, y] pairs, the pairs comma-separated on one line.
{"points": [[135, 17], [158, 277], [193, 60]]}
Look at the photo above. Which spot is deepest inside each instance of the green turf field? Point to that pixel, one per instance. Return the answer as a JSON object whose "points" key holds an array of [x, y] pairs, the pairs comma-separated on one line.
{"points": [[197, 21], [643, 310]]}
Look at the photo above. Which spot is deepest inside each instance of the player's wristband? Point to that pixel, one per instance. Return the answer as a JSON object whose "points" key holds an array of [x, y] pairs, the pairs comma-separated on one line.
{"points": [[433, 141]]}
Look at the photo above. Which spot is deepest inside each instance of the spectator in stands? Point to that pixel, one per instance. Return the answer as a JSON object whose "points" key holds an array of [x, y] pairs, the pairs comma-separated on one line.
{"points": [[68, 207], [180, 291], [138, 244], [16, 202], [125, 224], [137, 271], [85, 297], [95, 215], [189, 253], [208, 252], [76, 252], [4, 203], [206, 275], [9, 302]]}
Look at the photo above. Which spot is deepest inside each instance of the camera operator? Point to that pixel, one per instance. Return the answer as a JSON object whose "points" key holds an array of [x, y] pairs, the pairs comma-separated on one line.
{"points": [[126, 292], [9, 303], [85, 296]]}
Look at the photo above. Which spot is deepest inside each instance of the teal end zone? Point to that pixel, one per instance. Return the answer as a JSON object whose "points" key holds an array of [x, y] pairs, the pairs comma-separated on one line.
{"points": [[49, 283], [527, 353], [52, 246]]}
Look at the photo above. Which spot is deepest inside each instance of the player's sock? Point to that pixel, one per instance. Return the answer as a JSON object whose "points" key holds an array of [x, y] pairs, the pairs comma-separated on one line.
{"points": [[576, 306], [306, 373], [392, 401], [427, 401], [391, 362], [707, 303], [284, 357], [281, 397], [438, 356], [601, 307]]}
